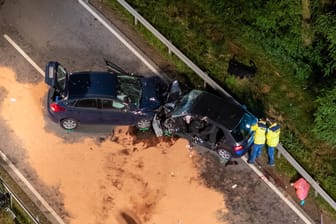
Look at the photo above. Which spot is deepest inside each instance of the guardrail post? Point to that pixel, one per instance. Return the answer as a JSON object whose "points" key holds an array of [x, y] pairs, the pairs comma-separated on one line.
{"points": [[10, 201], [279, 154], [135, 21], [316, 192], [169, 50]]}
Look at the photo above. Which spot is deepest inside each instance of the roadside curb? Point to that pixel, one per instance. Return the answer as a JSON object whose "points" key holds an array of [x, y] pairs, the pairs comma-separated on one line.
{"points": [[286, 198], [281, 193], [42, 205], [123, 39]]}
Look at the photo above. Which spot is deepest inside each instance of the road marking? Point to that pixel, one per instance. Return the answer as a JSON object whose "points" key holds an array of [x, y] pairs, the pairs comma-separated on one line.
{"points": [[23, 54], [271, 185], [277, 191], [120, 38], [9, 163]]}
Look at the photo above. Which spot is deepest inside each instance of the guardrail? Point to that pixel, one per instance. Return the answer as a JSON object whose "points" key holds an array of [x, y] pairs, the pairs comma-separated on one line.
{"points": [[13, 196], [215, 86], [172, 48]]}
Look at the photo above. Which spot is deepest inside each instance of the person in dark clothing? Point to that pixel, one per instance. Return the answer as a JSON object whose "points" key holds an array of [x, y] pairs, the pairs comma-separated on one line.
{"points": [[208, 132]]}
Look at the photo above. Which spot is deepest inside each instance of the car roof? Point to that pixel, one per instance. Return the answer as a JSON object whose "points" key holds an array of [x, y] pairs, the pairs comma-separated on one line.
{"points": [[88, 84], [222, 110]]}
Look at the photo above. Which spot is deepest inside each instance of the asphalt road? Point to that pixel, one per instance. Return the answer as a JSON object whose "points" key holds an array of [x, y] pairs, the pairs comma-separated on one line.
{"points": [[66, 32]]}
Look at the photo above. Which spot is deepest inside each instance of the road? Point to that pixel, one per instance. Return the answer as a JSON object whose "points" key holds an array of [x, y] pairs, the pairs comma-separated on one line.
{"points": [[64, 31]]}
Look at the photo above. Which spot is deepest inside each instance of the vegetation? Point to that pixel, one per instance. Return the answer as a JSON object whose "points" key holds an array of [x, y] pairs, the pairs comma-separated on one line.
{"points": [[20, 215], [293, 44]]}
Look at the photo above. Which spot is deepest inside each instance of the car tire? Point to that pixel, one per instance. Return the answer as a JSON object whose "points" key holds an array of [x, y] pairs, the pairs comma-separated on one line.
{"points": [[224, 155], [69, 123], [144, 124]]}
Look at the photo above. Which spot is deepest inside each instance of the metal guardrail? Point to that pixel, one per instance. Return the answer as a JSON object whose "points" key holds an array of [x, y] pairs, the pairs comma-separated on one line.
{"points": [[173, 49], [318, 189], [18, 201], [215, 86]]}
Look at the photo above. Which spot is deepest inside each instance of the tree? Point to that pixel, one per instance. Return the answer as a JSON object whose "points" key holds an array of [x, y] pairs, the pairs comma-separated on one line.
{"points": [[325, 117], [326, 28]]}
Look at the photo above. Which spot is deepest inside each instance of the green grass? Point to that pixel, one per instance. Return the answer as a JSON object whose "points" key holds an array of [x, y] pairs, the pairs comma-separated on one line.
{"points": [[21, 216], [276, 91]]}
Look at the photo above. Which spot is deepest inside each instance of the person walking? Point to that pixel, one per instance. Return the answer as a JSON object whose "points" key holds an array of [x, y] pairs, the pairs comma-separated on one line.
{"points": [[259, 139], [272, 140]]}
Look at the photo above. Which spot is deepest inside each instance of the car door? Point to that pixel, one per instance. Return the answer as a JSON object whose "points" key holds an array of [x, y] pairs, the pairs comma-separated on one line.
{"points": [[86, 111], [56, 76], [115, 112]]}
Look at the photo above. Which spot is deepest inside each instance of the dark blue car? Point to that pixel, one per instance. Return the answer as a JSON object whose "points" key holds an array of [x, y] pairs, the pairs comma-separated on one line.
{"points": [[113, 97], [217, 123]]}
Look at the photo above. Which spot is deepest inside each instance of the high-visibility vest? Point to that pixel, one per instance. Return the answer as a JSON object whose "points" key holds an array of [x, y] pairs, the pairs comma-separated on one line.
{"points": [[260, 132], [273, 135]]}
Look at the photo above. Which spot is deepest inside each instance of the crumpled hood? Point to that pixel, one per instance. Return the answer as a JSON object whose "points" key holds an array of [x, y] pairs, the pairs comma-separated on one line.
{"points": [[151, 93]]}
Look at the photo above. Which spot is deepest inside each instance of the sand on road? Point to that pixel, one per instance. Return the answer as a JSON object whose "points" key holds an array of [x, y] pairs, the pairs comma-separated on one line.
{"points": [[114, 180]]}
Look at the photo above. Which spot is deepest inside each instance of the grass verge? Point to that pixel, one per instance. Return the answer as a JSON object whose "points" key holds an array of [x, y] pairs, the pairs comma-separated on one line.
{"points": [[272, 92]]}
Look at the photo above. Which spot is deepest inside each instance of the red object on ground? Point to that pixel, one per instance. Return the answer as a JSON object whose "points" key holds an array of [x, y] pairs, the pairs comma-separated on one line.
{"points": [[302, 188]]}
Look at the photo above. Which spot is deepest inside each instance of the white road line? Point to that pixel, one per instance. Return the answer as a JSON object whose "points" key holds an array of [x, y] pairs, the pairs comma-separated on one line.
{"points": [[271, 185], [9, 163], [120, 38], [276, 190], [23, 54]]}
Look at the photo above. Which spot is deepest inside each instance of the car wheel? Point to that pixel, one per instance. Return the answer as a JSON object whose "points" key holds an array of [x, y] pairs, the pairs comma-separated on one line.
{"points": [[224, 155], [144, 124], [69, 123]]}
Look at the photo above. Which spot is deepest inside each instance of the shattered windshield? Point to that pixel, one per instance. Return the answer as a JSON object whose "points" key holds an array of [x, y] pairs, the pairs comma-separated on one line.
{"points": [[185, 104], [129, 88]]}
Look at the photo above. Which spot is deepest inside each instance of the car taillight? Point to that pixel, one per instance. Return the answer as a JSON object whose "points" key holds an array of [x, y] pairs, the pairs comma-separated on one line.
{"points": [[237, 148], [56, 108]]}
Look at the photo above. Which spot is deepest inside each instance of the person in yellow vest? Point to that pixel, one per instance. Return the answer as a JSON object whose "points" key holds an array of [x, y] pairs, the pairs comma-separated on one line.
{"points": [[260, 129], [272, 140]]}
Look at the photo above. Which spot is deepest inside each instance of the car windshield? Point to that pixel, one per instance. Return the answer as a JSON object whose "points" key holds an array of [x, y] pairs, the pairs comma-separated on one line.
{"points": [[129, 87], [185, 104], [243, 129]]}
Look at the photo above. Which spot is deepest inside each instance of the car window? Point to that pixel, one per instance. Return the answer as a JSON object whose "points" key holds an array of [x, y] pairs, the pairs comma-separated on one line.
{"points": [[70, 102], [87, 103], [111, 104], [243, 129], [131, 87]]}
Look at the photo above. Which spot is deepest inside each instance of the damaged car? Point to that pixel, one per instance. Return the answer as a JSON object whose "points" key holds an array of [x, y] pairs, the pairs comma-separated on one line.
{"points": [[216, 123], [112, 97]]}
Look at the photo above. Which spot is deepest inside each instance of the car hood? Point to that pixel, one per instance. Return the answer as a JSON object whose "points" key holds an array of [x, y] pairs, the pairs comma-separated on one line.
{"points": [[152, 93]]}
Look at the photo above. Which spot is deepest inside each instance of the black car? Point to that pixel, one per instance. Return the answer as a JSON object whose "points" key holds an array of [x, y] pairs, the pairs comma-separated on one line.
{"points": [[217, 123], [113, 97]]}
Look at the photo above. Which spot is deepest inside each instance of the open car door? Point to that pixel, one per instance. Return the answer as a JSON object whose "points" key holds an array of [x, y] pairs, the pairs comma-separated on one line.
{"points": [[174, 92], [56, 75], [111, 67]]}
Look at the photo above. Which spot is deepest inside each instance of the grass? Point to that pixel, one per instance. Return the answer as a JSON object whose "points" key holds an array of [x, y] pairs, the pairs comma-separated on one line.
{"points": [[20, 214], [273, 92]]}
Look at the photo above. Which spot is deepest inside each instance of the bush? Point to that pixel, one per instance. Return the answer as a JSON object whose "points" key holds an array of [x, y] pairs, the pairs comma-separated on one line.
{"points": [[325, 117]]}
